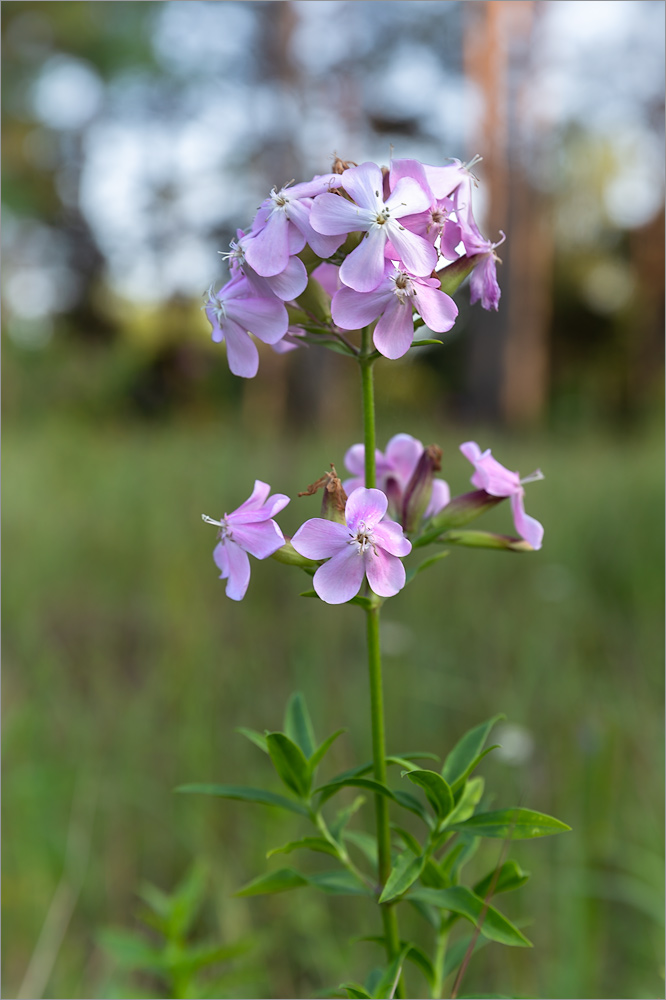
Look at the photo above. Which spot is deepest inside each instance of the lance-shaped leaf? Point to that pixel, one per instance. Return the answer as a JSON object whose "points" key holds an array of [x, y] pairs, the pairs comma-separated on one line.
{"points": [[253, 736], [308, 844], [511, 824], [344, 815], [355, 990], [385, 986], [324, 747], [369, 784], [437, 790], [244, 794], [281, 880], [467, 803], [298, 725], [409, 801], [458, 785], [509, 877], [404, 873], [415, 955], [467, 749], [339, 883], [290, 763], [461, 900], [365, 842]]}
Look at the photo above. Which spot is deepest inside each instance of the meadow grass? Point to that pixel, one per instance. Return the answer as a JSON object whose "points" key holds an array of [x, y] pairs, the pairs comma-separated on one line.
{"points": [[127, 669]]}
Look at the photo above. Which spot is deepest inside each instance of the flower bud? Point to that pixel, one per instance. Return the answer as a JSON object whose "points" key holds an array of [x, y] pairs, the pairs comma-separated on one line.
{"points": [[452, 276], [419, 489], [459, 511], [315, 301], [334, 498], [288, 555]]}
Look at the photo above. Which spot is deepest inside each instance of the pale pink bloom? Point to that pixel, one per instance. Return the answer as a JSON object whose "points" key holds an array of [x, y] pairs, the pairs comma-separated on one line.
{"points": [[498, 481], [365, 546], [249, 528], [235, 312]]}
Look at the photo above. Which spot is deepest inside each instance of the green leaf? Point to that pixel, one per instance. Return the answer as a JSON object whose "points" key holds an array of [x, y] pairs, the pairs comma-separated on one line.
{"points": [[415, 955], [365, 843], [437, 790], [333, 787], [130, 951], [385, 986], [433, 876], [404, 873], [426, 564], [458, 512], [324, 747], [290, 763], [355, 990], [339, 883], [466, 749], [409, 801], [298, 725], [461, 900], [344, 815], [456, 952], [186, 901], [511, 824], [467, 803], [458, 784], [244, 794], [424, 343], [306, 843], [309, 593], [409, 840], [258, 739], [281, 880], [510, 876]]}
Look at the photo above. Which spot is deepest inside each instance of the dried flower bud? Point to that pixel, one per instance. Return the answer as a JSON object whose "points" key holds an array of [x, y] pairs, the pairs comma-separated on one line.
{"points": [[419, 489], [339, 166], [334, 498]]}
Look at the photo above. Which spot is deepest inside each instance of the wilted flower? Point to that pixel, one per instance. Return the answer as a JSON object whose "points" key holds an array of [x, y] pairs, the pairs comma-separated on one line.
{"points": [[249, 528], [363, 546]]}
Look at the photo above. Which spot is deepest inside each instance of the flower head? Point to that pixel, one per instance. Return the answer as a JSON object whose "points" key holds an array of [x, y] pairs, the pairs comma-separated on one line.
{"points": [[498, 481], [235, 312], [249, 528], [364, 546]]}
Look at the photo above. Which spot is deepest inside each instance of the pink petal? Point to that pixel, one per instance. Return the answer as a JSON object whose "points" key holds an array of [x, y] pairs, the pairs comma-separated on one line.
{"points": [[390, 536], [418, 256], [291, 282], [267, 319], [221, 561], [527, 527], [386, 574], [408, 168], [339, 579], [363, 269], [260, 540], [441, 495], [367, 505], [323, 246], [437, 309], [444, 180], [471, 451], [352, 310], [355, 459], [335, 216], [408, 198], [403, 453], [238, 571], [365, 184], [268, 250], [257, 498], [242, 353], [394, 332], [320, 539]]}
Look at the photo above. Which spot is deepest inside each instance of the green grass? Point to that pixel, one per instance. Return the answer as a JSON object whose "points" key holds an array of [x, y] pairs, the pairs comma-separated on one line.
{"points": [[126, 670]]}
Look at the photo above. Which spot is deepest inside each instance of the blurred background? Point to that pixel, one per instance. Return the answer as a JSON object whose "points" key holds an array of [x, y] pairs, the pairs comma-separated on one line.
{"points": [[136, 138]]}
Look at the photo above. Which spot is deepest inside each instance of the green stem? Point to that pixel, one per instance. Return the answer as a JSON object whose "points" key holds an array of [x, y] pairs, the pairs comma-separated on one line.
{"points": [[440, 956], [389, 915]]}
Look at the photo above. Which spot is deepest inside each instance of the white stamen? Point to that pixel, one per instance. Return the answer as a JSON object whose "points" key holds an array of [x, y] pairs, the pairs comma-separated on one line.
{"points": [[533, 477]]}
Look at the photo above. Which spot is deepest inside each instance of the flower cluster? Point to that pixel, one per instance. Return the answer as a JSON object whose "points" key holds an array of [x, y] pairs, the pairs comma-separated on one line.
{"points": [[373, 239], [364, 535]]}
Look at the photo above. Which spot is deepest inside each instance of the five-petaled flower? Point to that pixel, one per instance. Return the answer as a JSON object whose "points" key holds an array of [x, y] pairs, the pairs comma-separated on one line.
{"points": [[249, 528], [498, 481], [235, 312], [364, 546]]}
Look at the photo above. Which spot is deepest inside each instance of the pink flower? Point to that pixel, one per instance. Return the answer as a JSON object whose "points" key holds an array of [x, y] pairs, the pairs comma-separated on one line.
{"points": [[394, 300], [234, 313], [364, 546], [395, 469], [286, 285], [332, 215], [281, 227], [249, 528], [498, 481]]}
